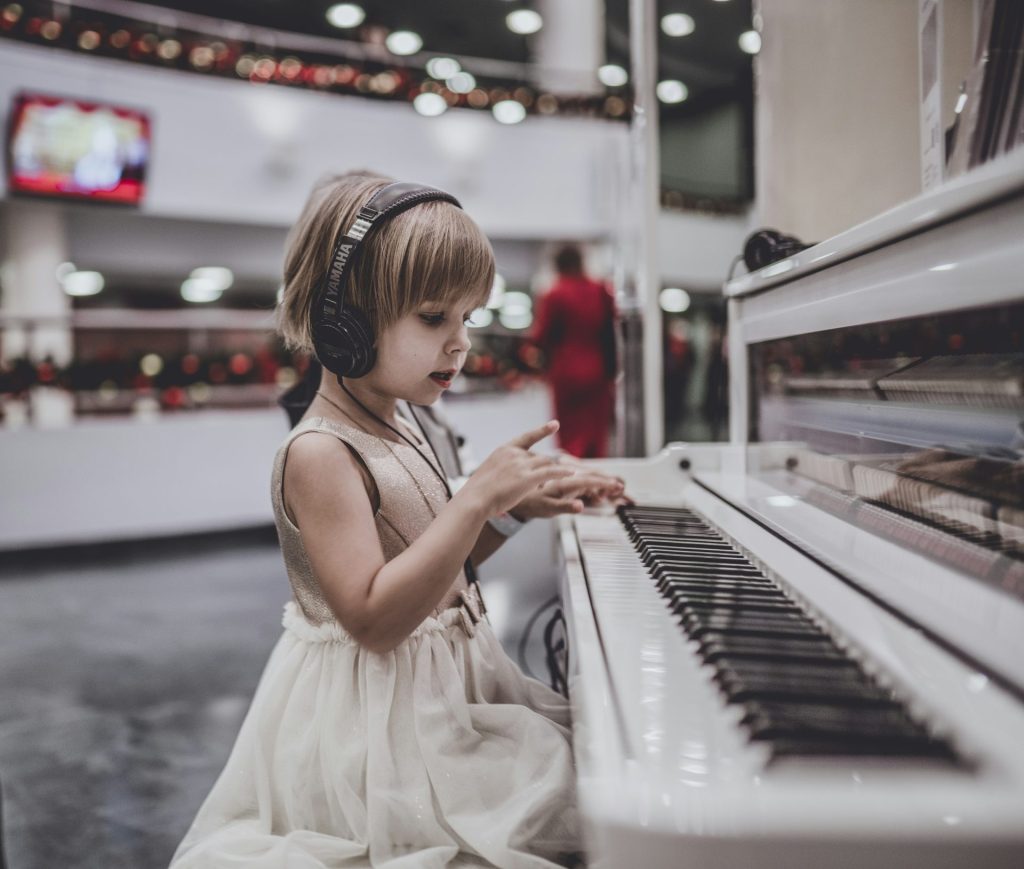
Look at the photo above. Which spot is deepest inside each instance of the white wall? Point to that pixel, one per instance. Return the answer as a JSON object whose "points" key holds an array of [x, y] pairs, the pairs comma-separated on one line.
{"points": [[696, 250], [836, 119], [116, 479], [234, 151]]}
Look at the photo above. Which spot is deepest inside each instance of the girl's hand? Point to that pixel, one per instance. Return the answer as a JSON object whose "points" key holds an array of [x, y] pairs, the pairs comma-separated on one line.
{"points": [[584, 488], [512, 471]]}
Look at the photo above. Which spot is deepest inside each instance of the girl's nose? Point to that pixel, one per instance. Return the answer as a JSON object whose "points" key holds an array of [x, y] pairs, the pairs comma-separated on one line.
{"points": [[460, 342]]}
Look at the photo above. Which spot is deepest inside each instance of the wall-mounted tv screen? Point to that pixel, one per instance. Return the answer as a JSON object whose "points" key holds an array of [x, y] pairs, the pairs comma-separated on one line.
{"points": [[77, 149]]}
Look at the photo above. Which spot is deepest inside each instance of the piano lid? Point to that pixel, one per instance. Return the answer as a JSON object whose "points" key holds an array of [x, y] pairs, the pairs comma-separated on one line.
{"points": [[977, 189]]}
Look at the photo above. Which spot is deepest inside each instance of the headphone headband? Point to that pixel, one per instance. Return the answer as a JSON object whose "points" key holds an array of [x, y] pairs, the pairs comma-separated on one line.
{"points": [[342, 337], [390, 200]]}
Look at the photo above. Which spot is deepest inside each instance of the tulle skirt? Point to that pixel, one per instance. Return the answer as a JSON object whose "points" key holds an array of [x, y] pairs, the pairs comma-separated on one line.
{"points": [[438, 753]]}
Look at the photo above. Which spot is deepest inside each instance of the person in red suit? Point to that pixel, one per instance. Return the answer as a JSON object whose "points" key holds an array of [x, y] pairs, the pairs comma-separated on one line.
{"points": [[575, 327]]}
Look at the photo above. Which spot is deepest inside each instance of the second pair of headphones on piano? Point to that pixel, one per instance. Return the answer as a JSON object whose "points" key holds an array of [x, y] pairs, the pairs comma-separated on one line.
{"points": [[343, 338], [767, 246]]}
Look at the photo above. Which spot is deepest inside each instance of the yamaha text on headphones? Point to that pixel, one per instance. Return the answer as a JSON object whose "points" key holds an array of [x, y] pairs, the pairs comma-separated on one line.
{"points": [[342, 336]]}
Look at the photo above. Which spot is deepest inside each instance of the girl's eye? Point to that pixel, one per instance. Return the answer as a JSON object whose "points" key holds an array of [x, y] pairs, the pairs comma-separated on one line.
{"points": [[432, 319], [468, 319]]}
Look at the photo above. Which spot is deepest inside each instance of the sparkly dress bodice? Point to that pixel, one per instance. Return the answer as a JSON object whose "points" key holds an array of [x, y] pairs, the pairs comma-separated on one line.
{"points": [[410, 496]]}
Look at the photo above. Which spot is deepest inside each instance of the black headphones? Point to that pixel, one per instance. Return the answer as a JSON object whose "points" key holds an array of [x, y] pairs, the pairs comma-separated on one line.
{"points": [[343, 339], [767, 246]]}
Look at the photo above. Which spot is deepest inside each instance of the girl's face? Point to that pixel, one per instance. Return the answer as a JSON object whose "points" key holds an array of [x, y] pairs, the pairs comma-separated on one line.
{"points": [[419, 355]]}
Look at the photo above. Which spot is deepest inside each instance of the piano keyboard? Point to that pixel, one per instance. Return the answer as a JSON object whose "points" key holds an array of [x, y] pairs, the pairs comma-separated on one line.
{"points": [[798, 692], [737, 703]]}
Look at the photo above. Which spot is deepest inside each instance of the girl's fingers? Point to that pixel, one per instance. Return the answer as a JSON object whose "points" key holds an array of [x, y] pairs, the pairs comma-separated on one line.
{"points": [[567, 505], [529, 438]]}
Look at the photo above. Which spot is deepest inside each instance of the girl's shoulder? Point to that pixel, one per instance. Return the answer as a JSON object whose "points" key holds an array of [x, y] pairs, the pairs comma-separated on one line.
{"points": [[307, 461], [339, 430]]}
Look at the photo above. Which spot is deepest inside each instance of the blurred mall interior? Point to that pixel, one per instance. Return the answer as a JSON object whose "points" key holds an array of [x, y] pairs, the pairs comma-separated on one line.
{"points": [[157, 154]]}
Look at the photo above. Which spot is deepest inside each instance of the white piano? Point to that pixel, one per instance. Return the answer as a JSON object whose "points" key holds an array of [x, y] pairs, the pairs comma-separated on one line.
{"points": [[805, 648]]}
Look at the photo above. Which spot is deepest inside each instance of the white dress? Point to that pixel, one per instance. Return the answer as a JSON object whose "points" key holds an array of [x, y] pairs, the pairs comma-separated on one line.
{"points": [[437, 753]]}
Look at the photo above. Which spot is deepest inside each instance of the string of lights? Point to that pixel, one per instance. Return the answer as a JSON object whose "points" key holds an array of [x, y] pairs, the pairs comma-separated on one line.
{"points": [[253, 56]]}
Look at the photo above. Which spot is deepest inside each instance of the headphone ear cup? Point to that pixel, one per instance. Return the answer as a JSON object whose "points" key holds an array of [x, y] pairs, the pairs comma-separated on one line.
{"points": [[758, 247], [767, 246], [345, 346]]}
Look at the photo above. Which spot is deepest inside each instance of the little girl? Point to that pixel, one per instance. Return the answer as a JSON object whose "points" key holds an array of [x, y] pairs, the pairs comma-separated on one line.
{"points": [[389, 728]]}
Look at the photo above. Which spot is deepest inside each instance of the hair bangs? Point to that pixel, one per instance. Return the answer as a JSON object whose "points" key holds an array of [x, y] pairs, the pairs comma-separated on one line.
{"points": [[439, 255]]}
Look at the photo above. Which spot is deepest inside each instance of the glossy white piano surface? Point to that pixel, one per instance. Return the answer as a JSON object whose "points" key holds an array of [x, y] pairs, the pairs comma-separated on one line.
{"points": [[667, 776], [664, 766]]}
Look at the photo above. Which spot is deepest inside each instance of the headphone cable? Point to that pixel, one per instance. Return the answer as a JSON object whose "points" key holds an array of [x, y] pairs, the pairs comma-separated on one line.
{"points": [[471, 574]]}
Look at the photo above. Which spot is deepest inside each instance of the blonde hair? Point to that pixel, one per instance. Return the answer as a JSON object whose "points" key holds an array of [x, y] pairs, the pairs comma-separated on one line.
{"points": [[433, 251]]}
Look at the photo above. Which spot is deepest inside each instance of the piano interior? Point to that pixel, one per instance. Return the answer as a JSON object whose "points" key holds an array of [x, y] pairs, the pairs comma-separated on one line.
{"points": [[806, 646]]}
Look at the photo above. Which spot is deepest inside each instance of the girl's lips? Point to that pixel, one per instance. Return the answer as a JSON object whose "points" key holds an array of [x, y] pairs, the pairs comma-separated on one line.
{"points": [[443, 378]]}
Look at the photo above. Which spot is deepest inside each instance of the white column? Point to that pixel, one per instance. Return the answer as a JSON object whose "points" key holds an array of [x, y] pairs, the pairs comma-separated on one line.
{"points": [[570, 46], [646, 178], [35, 243]]}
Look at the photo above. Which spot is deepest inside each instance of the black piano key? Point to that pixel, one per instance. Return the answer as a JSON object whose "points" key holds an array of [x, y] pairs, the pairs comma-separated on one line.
{"points": [[737, 603], [795, 633], [786, 747], [727, 649], [842, 688], [681, 550], [759, 670], [704, 584], [732, 618], [661, 566], [674, 530], [686, 545], [686, 559], [842, 727], [680, 595], [703, 570], [713, 586]]}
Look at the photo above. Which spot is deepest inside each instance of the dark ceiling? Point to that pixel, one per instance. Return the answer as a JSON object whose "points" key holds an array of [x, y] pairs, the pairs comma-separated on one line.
{"points": [[709, 60]]}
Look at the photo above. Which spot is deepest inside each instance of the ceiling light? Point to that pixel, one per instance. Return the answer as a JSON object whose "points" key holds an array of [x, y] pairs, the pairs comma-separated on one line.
{"points": [[678, 24], [481, 318], [612, 75], [199, 291], [345, 15], [403, 42], [217, 277], [442, 67], [672, 91], [508, 112], [430, 105], [516, 302], [65, 269], [750, 41], [82, 283], [524, 21], [674, 300], [461, 83], [515, 319]]}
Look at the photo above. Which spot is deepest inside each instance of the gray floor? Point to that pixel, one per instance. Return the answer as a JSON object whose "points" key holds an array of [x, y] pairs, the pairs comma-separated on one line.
{"points": [[124, 676]]}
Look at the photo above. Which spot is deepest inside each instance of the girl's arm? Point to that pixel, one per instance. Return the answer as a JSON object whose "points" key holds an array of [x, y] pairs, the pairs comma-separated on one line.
{"points": [[380, 603]]}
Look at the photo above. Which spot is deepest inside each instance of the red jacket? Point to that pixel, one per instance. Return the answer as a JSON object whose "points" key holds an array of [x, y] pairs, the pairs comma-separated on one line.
{"points": [[575, 327]]}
